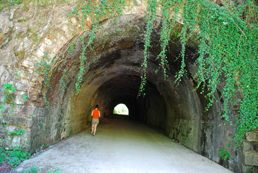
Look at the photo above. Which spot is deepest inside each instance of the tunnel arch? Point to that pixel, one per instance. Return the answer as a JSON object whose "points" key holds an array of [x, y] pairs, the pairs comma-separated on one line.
{"points": [[114, 69]]}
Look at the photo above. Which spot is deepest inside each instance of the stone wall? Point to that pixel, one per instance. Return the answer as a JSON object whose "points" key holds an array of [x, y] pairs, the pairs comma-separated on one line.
{"points": [[28, 34], [250, 150]]}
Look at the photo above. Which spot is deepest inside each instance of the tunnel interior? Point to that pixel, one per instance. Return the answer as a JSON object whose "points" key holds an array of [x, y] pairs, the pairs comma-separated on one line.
{"points": [[113, 75], [124, 89]]}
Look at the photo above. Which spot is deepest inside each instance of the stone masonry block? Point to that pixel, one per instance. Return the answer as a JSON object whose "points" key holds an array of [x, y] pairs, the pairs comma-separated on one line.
{"points": [[250, 147], [247, 169], [27, 64], [251, 159], [19, 121], [48, 42], [19, 99], [26, 111], [252, 135]]}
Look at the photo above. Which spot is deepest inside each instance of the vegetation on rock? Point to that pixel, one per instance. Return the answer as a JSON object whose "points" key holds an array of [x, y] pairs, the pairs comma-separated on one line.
{"points": [[13, 157]]}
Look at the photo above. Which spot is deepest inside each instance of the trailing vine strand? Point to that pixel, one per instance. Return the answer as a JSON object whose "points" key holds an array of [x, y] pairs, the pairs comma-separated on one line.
{"points": [[150, 17]]}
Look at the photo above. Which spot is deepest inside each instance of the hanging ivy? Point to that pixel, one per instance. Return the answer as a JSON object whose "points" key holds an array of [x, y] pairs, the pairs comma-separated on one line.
{"points": [[227, 33], [150, 17]]}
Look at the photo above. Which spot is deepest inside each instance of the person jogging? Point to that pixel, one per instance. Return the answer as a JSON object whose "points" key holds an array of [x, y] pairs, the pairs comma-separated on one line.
{"points": [[95, 120]]}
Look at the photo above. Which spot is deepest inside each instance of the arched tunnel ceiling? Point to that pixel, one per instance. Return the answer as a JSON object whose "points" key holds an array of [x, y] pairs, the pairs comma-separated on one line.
{"points": [[118, 50], [112, 76], [120, 87]]}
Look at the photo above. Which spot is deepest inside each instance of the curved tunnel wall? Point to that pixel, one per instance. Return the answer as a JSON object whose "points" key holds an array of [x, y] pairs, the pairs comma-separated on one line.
{"points": [[112, 76]]}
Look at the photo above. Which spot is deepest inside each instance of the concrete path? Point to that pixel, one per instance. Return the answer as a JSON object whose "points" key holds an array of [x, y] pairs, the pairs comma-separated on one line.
{"points": [[122, 146]]}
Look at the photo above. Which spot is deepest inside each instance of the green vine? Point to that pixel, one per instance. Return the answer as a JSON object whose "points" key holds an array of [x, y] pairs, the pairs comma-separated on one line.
{"points": [[165, 34], [62, 82], [8, 98], [97, 13], [228, 49], [224, 154], [13, 157], [83, 58], [17, 133], [150, 17], [43, 68]]}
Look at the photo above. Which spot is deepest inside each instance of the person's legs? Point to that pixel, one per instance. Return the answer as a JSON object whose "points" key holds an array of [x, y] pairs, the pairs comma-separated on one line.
{"points": [[95, 128], [92, 128]]}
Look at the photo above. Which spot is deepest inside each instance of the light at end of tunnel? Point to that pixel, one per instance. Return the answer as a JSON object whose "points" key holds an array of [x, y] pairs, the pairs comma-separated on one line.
{"points": [[121, 109]]}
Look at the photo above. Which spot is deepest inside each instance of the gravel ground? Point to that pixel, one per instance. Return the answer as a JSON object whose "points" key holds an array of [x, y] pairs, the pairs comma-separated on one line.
{"points": [[121, 146]]}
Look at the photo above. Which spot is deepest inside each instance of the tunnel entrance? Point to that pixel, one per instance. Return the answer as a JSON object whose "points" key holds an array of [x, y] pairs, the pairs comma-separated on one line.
{"points": [[112, 75], [121, 109]]}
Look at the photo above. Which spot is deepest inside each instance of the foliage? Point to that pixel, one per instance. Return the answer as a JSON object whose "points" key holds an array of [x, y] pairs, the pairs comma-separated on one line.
{"points": [[13, 157], [42, 124], [227, 53], [32, 169], [35, 37], [58, 170], [62, 81], [71, 48], [224, 154], [9, 88], [97, 12], [32, 115], [2, 155], [19, 132], [150, 17], [8, 97], [35, 169], [43, 68], [24, 97]]}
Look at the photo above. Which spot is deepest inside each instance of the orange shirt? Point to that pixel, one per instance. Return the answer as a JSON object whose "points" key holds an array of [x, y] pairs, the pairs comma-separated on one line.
{"points": [[95, 113]]}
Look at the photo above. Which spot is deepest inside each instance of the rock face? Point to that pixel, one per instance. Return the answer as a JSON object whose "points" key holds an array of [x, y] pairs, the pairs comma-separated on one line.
{"points": [[31, 34]]}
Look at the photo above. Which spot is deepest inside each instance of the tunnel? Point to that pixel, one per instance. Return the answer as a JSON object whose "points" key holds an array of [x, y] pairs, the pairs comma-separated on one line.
{"points": [[112, 75]]}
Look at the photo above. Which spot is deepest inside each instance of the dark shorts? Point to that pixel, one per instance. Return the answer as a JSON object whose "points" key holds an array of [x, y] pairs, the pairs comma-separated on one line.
{"points": [[95, 121]]}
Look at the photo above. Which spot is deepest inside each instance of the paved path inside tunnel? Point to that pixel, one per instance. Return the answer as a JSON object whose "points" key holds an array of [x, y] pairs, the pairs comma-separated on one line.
{"points": [[121, 146]]}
